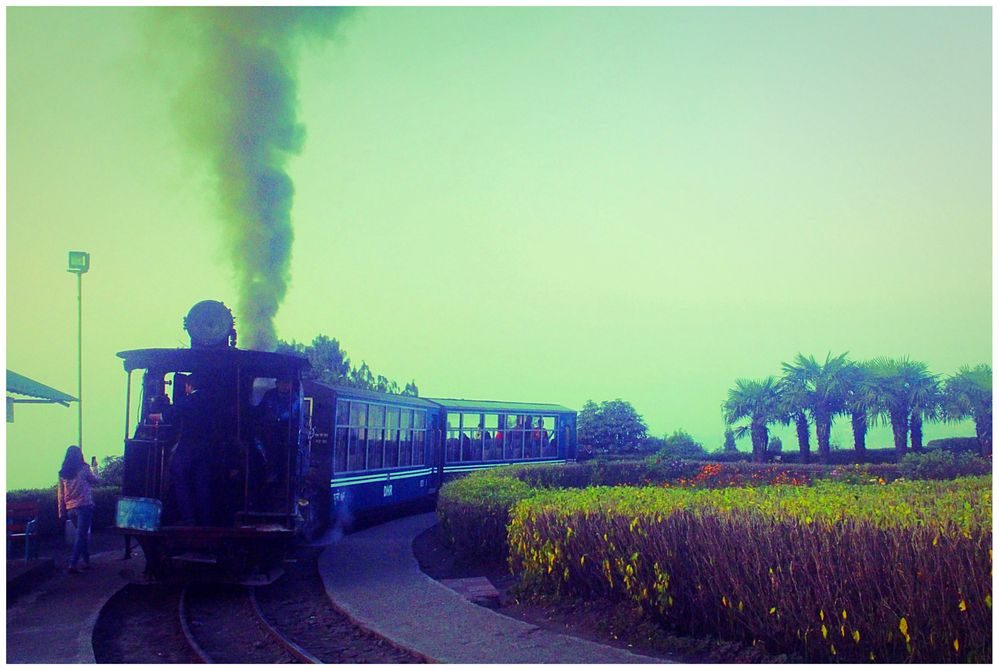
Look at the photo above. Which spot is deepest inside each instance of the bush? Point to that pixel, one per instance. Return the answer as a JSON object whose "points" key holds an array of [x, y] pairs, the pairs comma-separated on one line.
{"points": [[844, 456], [474, 512], [681, 445], [809, 569], [939, 464], [956, 444], [105, 498], [112, 471], [727, 457]]}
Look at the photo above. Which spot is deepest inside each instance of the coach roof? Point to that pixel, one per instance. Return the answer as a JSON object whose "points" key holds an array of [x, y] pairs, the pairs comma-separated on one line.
{"points": [[499, 407]]}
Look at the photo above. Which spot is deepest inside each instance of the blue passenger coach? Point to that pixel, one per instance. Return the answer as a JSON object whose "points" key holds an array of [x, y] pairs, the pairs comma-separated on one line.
{"points": [[371, 450], [482, 434]]}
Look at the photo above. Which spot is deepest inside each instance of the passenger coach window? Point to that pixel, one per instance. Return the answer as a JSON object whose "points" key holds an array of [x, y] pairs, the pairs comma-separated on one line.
{"points": [[357, 448], [419, 437], [342, 412], [452, 445], [371, 436], [549, 437]]}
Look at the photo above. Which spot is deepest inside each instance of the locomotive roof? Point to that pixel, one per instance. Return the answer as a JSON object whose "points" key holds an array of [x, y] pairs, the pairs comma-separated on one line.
{"points": [[190, 359], [498, 406]]}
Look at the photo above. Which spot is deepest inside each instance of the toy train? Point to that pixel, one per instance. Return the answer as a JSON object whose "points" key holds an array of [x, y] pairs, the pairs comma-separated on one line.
{"points": [[231, 455]]}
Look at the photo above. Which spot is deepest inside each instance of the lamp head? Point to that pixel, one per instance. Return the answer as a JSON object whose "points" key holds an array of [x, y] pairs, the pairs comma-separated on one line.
{"points": [[79, 262]]}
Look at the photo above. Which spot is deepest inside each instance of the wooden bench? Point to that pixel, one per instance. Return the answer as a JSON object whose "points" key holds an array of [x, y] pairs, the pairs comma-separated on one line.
{"points": [[22, 523]]}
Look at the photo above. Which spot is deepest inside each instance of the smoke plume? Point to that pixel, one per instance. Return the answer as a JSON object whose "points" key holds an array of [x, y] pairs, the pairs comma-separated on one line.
{"points": [[239, 113]]}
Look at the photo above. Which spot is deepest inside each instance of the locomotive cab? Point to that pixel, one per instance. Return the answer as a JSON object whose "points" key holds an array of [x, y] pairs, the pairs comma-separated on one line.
{"points": [[214, 441]]}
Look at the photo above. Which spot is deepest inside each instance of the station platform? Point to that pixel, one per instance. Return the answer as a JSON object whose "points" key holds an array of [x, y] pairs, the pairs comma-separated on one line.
{"points": [[374, 578], [53, 619]]}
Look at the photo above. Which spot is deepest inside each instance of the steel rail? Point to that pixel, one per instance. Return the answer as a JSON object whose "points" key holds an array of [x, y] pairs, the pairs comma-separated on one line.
{"points": [[294, 649], [182, 613]]}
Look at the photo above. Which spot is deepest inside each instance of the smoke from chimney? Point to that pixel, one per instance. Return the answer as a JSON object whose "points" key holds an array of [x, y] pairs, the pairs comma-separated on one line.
{"points": [[239, 113]]}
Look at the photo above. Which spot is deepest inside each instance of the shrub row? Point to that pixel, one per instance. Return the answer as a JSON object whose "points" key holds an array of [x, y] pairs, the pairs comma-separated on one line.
{"points": [[834, 572], [474, 511], [655, 470], [105, 498]]}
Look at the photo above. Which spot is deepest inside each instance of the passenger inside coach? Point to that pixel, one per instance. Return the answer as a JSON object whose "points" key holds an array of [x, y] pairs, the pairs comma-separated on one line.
{"points": [[539, 433], [498, 437]]}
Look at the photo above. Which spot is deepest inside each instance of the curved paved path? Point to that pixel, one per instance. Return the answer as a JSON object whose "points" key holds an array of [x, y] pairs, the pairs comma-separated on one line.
{"points": [[54, 623], [373, 576]]}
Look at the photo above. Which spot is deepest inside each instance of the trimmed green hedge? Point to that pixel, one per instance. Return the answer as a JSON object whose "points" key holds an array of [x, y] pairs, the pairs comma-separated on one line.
{"points": [[940, 464], [834, 572], [105, 498], [474, 511]]}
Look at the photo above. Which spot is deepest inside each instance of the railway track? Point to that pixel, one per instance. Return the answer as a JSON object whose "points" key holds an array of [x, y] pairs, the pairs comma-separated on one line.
{"points": [[224, 624], [289, 621]]}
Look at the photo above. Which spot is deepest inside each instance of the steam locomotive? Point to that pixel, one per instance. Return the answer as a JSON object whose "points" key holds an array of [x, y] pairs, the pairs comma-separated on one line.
{"points": [[272, 457]]}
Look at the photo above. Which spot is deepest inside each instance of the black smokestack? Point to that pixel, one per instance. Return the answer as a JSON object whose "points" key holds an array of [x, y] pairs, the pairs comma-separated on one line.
{"points": [[239, 111]]}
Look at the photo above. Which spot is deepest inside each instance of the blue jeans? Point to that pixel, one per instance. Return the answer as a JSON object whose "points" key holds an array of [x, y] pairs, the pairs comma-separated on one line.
{"points": [[83, 517]]}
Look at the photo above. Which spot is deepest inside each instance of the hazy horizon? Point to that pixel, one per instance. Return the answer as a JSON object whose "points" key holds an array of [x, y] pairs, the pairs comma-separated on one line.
{"points": [[529, 204]]}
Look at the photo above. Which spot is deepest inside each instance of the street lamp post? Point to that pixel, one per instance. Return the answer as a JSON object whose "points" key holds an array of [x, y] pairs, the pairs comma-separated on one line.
{"points": [[79, 263]]}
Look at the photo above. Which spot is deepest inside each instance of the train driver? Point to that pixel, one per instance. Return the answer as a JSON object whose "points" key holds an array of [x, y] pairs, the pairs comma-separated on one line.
{"points": [[191, 462]]}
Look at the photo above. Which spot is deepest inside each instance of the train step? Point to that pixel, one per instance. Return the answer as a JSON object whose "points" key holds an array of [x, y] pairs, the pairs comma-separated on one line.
{"points": [[195, 557]]}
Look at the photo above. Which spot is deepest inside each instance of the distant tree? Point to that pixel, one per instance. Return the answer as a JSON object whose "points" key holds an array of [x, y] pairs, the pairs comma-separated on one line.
{"points": [[822, 388], [329, 364], [759, 401], [362, 377], [794, 401], [729, 445], [860, 402], [968, 394], [613, 426], [775, 446], [897, 385], [681, 445], [385, 385], [925, 407]]}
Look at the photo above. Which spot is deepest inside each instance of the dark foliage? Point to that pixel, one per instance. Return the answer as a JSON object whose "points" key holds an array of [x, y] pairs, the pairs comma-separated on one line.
{"points": [[940, 464], [681, 445], [330, 364], [105, 499], [611, 427], [955, 444]]}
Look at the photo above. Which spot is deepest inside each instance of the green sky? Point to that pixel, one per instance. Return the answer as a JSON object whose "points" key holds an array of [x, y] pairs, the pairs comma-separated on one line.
{"points": [[525, 204]]}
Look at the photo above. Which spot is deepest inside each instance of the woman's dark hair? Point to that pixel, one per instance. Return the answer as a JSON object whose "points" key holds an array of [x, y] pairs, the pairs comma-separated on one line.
{"points": [[72, 463]]}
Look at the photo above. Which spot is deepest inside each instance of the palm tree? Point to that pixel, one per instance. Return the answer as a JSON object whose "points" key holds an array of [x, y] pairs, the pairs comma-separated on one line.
{"points": [[968, 393], [860, 402], [925, 407], [823, 388], [897, 384], [759, 401], [794, 397]]}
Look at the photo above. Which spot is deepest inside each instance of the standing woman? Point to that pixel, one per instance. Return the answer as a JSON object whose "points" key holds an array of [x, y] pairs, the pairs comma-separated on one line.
{"points": [[76, 501]]}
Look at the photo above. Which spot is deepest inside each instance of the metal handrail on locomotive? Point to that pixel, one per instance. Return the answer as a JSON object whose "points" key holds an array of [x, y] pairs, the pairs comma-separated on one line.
{"points": [[215, 454]]}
